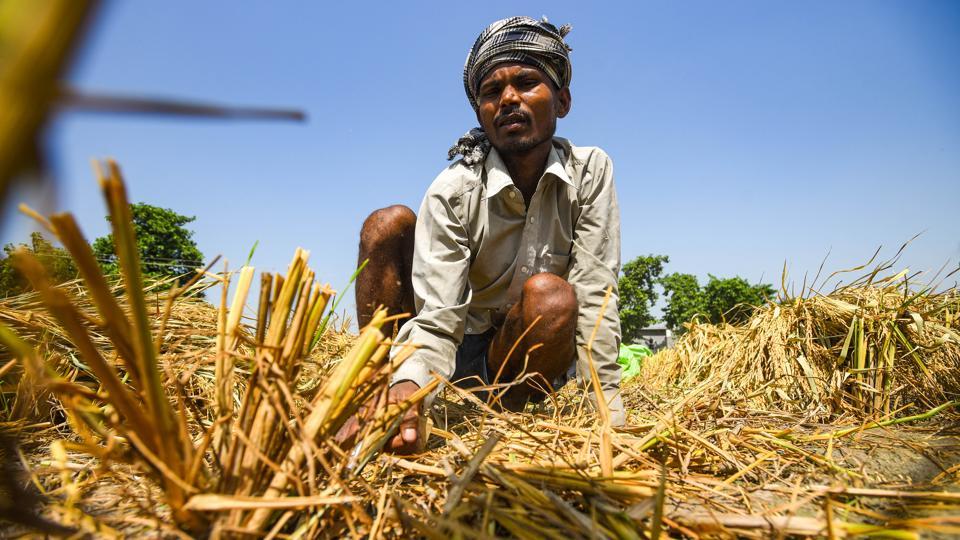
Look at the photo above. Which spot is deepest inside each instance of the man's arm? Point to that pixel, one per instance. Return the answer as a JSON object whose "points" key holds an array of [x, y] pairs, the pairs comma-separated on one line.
{"points": [[441, 262], [594, 267]]}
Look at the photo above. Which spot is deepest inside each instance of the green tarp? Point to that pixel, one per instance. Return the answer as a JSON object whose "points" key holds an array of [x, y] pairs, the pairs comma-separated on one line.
{"points": [[631, 358]]}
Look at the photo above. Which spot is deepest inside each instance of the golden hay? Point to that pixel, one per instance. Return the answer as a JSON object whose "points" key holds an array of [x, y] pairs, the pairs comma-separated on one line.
{"points": [[240, 443], [726, 463], [872, 347]]}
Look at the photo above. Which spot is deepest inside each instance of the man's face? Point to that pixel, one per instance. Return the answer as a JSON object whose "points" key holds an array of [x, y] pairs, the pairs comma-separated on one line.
{"points": [[519, 107]]}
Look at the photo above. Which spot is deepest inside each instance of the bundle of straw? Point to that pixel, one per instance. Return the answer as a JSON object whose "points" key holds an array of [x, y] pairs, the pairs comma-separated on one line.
{"points": [[187, 325], [868, 348], [235, 474], [237, 441]]}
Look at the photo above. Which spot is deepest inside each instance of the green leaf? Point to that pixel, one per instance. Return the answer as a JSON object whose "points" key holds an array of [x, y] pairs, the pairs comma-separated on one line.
{"points": [[252, 251]]}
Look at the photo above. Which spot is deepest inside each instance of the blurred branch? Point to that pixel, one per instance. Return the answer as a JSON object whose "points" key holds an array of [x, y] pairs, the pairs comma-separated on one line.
{"points": [[75, 99]]}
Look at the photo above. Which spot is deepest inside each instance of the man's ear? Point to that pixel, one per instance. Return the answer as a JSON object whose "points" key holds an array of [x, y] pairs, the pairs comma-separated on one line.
{"points": [[564, 102]]}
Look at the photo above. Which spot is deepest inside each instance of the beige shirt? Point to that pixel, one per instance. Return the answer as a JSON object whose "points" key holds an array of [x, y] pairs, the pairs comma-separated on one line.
{"points": [[477, 243]]}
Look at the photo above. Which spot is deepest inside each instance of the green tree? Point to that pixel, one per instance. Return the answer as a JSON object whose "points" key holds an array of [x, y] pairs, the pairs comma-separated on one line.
{"points": [[638, 295], [730, 300], [733, 299], [58, 263], [685, 300], [165, 245]]}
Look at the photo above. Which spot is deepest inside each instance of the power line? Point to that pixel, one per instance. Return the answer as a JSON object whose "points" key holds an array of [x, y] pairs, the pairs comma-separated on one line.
{"points": [[152, 261]]}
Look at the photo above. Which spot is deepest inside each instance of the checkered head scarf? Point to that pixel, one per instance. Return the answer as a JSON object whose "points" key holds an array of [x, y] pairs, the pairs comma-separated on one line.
{"points": [[514, 40]]}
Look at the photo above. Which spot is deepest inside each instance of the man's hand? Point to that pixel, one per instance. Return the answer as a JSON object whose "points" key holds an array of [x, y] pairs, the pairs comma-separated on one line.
{"points": [[407, 441]]}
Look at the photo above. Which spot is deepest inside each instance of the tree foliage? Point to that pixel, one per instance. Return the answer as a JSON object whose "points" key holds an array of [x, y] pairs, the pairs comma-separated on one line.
{"points": [[732, 300], [165, 245], [56, 261], [728, 300], [638, 294], [685, 299]]}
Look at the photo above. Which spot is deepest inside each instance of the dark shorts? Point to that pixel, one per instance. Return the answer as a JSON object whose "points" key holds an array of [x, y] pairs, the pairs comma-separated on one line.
{"points": [[471, 369]]}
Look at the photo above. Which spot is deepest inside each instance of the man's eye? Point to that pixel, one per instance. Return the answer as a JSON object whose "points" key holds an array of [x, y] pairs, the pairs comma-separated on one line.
{"points": [[489, 92]]}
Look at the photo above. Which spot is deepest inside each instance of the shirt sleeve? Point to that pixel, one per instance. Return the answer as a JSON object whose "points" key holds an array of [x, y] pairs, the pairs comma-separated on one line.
{"points": [[441, 263], [595, 267]]}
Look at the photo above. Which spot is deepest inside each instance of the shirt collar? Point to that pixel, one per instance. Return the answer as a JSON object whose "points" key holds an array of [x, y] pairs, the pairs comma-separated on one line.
{"points": [[498, 177]]}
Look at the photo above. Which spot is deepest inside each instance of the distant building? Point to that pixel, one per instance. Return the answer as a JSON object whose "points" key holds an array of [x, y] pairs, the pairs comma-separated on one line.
{"points": [[656, 337]]}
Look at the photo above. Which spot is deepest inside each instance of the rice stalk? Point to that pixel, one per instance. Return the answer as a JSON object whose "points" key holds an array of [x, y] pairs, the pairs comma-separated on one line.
{"points": [[866, 349], [725, 438], [239, 469]]}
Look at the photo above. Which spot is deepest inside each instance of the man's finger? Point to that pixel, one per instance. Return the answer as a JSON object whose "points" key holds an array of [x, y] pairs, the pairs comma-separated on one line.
{"points": [[409, 426], [405, 439], [396, 444], [348, 432], [408, 436]]}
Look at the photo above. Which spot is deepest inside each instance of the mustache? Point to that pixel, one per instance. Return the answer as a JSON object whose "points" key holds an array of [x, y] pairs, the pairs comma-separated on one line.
{"points": [[511, 116]]}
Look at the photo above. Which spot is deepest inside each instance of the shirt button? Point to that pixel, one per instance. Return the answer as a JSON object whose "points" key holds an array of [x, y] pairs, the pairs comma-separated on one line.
{"points": [[524, 269], [533, 220], [512, 195], [469, 329]]}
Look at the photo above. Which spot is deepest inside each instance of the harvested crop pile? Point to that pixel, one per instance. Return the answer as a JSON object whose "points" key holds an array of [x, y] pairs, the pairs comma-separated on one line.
{"points": [[875, 346], [176, 418]]}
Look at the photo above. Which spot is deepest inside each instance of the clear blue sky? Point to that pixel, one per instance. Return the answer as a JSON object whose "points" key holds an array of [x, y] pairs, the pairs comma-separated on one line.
{"points": [[744, 134]]}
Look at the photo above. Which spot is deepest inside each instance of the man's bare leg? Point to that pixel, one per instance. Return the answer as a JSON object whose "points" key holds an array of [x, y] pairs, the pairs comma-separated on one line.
{"points": [[552, 299], [386, 239]]}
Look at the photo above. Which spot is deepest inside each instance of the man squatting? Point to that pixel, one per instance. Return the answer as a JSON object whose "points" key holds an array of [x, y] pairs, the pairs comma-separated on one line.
{"points": [[524, 225]]}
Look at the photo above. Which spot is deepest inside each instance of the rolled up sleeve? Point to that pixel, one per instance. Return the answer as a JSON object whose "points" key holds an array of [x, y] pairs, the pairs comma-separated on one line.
{"points": [[594, 268], [441, 263]]}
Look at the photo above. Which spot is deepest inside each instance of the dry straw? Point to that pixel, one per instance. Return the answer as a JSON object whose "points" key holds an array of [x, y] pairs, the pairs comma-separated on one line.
{"points": [[869, 347], [232, 419], [245, 462]]}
